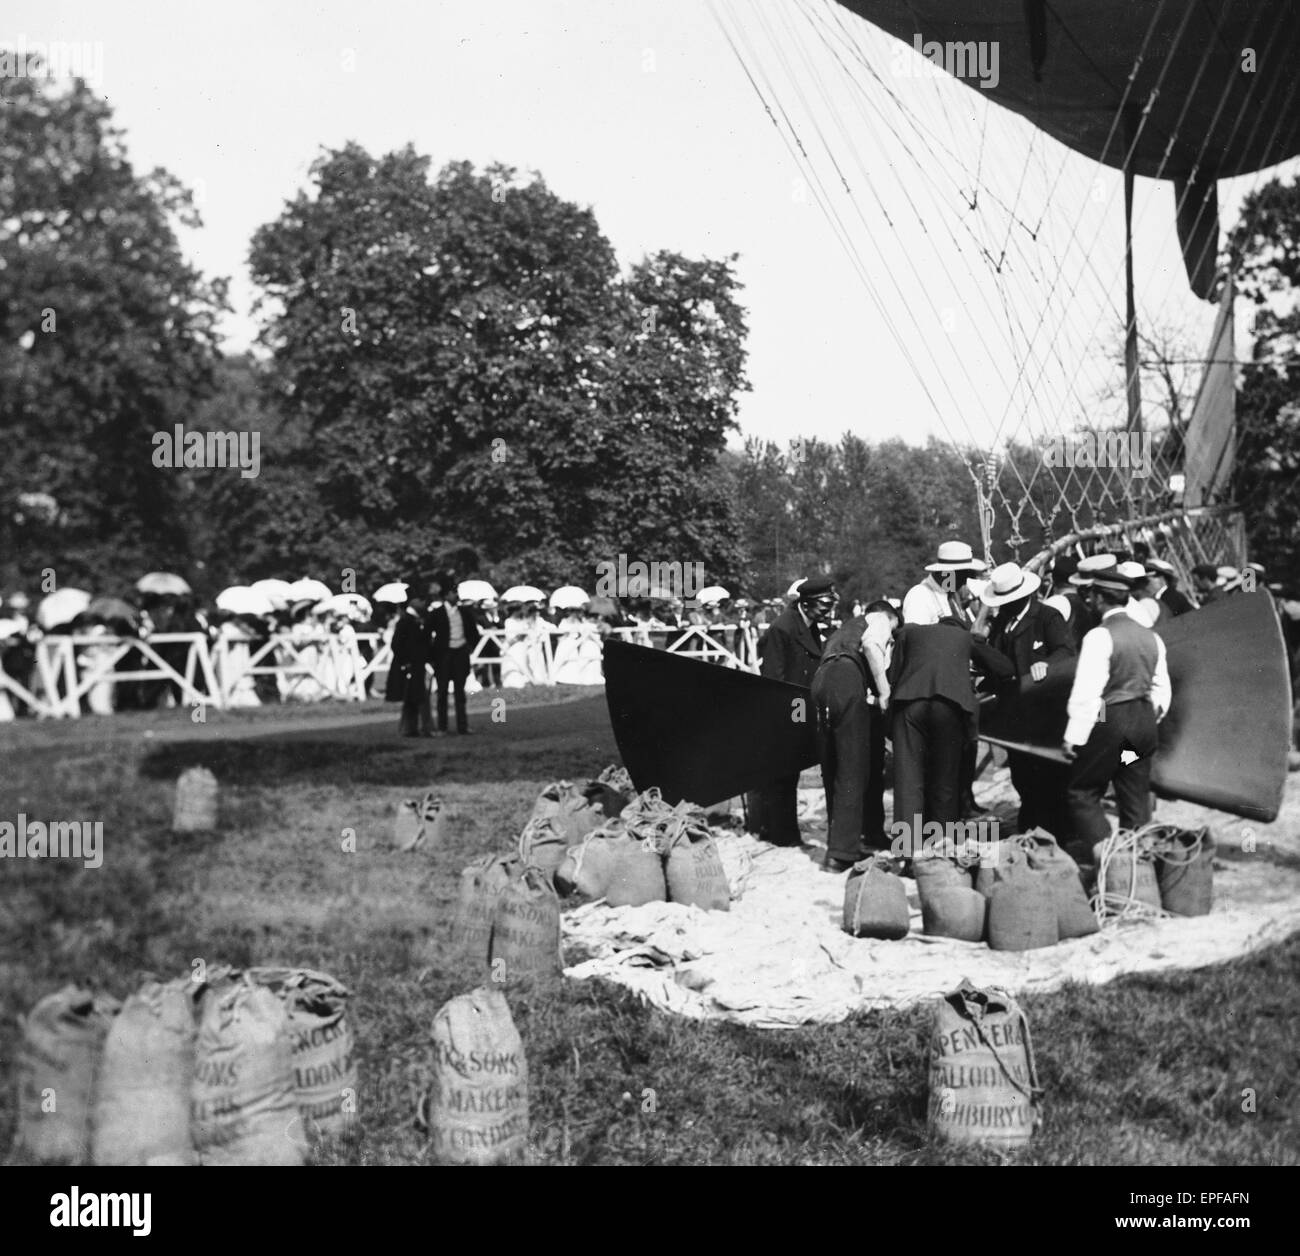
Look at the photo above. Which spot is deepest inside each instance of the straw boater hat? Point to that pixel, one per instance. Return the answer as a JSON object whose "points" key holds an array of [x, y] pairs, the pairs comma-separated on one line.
{"points": [[956, 556], [1135, 573], [1101, 571], [1158, 567], [1008, 583]]}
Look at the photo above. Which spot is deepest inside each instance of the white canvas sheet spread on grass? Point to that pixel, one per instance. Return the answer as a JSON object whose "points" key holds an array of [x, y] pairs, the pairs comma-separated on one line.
{"points": [[779, 958]]}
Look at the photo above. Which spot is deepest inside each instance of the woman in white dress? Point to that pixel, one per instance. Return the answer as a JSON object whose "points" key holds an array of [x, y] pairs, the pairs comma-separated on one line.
{"points": [[523, 661], [233, 659], [578, 650]]}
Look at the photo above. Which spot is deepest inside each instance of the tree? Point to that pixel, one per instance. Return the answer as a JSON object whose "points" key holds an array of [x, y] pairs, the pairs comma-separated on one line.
{"points": [[475, 376], [106, 337]]}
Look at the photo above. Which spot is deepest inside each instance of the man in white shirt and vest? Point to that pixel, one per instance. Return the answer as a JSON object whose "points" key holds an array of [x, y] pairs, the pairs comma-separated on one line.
{"points": [[455, 634], [1120, 693], [941, 594]]}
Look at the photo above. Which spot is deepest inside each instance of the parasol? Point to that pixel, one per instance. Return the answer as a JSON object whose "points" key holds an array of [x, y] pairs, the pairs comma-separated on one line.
{"points": [[523, 593], [239, 599], [312, 591], [476, 591], [280, 592], [61, 607], [569, 598], [352, 605], [163, 583], [394, 592]]}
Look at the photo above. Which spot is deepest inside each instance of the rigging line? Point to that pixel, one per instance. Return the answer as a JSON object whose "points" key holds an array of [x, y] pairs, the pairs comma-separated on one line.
{"points": [[854, 259], [922, 132]]}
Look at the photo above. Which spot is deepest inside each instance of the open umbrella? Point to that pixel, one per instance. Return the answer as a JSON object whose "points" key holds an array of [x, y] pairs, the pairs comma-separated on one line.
{"points": [[61, 607], [111, 610], [279, 591], [714, 593], [523, 593], [476, 591], [395, 592], [239, 599], [305, 590], [569, 598], [163, 583], [353, 605]]}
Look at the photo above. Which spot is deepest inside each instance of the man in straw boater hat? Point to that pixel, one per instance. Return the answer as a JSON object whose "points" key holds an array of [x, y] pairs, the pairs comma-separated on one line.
{"points": [[1033, 637], [1120, 693], [943, 591], [790, 651]]}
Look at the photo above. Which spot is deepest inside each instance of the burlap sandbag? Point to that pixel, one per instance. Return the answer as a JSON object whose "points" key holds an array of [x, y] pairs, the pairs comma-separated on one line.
{"points": [[526, 929], [419, 823], [1022, 911], [1074, 915], [544, 843], [569, 809], [983, 1082], [1126, 877], [1004, 859], [693, 869], [476, 1110], [1185, 871], [955, 912], [875, 901], [244, 1107], [142, 1106], [933, 873], [612, 864], [480, 883], [58, 1060], [612, 790], [320, 1044]]}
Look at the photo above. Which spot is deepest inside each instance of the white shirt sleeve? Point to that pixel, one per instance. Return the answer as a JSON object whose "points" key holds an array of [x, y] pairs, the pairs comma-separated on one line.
{"points": [[919, 606], [1061, 604], [1090, 675], [1161, 693]]}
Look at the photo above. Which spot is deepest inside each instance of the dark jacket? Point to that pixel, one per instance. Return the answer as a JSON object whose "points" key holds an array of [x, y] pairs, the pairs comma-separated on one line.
{"points": [[440, 629], [934, 661], [1041, 636], [1176, 602], [791, 649], [412, 644]]}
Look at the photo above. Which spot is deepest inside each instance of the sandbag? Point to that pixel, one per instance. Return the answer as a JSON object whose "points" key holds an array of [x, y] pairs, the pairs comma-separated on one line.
{"points": [[612, 864], [694, 871], [321, 1047], [1005, 859], [476, 1110], [875, 901], [1074, 915], [933, 873], [1184, 863], [480, 883], [58, 1060], [243, 1103], [544, 843], [1126, 876], [419, 822], [526, 929], [1022, 912], [195, 809], [570, 810], [612, 790], [959, 912], [983, 1081], [142, 1106]]}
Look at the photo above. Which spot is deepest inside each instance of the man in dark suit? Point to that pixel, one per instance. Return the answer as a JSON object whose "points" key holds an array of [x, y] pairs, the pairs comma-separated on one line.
{"points": [[1162, 580], [412, 652], [934, 714], [790, 651], [455, 634], [1033, 637]]}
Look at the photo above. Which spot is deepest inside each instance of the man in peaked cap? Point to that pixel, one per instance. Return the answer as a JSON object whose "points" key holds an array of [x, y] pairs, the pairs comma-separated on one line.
{"points": [[940, 593], [1162, 581], [790, 651], [1120, 693], [1033, 637]]}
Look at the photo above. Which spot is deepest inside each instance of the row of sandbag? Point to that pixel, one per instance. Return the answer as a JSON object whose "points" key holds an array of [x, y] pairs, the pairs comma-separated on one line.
{"points": [[983, 1079], [649, 852], [1156, 869], [244, 1067]]}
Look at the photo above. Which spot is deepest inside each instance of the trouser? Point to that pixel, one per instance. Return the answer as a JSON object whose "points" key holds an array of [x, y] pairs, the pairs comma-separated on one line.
{"points": [[1041, 785], [930, 737], [452, 669], [417, 717], [1127, 726], [851, 747]]}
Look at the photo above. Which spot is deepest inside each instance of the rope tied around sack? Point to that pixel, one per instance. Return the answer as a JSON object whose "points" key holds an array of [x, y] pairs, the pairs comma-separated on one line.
{"points": [[977, 1010], [1169, 846], [651, 820], [1138, 846]]}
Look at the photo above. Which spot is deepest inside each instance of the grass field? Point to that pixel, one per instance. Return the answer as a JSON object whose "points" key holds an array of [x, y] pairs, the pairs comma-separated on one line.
{"points": [[1144, 1071]]}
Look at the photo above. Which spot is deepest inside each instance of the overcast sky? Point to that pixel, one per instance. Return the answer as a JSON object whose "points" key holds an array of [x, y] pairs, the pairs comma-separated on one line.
{"points": [[640, 109]]}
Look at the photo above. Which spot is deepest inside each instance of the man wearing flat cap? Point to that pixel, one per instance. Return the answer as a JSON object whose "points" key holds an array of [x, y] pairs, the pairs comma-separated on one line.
{"points": [[1120, 693], [1033, 637], [790, 651]]}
